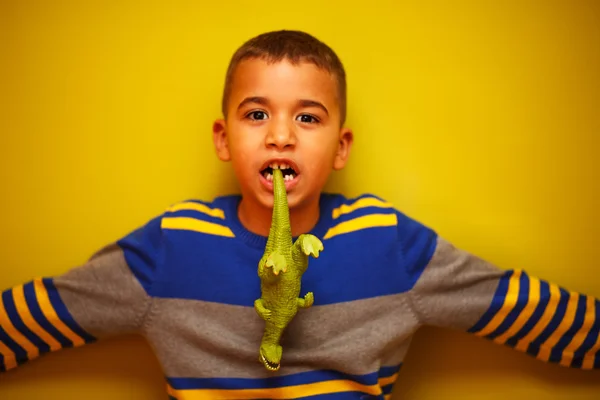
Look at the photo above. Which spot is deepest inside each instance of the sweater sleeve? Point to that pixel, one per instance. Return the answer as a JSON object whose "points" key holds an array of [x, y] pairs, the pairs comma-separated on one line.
{"points": [[461, 291], [104, 297]]}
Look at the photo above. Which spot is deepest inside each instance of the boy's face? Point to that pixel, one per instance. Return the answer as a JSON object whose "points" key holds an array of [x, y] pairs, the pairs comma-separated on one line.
{"points": [[285, 114]]}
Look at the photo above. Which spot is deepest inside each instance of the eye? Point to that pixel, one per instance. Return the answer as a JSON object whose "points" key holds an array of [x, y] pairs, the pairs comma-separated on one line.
{"points": [[307, 118], [257, 115]]}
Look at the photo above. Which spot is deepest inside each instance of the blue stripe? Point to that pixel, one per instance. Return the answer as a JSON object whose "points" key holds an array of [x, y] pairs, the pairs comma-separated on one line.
{"points": [[342, 396], [13, 314], [172, 398], [516, 311], [387, 389], [40, 318], [149, 249], [141, 250], [589, 341], [557, 352], [2, 367], [427, 244], [20, 353], [63, 313], [386, 372], [535, 317], [534, 347], [496, 305], [270, 382], [597, 361]]}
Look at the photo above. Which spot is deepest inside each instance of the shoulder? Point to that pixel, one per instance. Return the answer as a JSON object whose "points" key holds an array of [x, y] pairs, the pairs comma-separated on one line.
{"points": [[199, 217], [188, 221], [187, 215], [372, 221], [368, 211]]}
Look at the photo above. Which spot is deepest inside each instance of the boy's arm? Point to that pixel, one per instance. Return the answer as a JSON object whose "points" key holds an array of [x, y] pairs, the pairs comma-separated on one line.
{"points": [[104, 297], [461, 291]]}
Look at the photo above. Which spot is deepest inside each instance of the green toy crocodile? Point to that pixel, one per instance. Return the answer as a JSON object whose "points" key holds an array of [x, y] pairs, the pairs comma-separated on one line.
{"points": [[280, 270]]}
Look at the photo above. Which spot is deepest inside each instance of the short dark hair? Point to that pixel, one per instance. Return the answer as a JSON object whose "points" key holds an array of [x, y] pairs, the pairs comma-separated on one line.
{"points": [[294, 46]]}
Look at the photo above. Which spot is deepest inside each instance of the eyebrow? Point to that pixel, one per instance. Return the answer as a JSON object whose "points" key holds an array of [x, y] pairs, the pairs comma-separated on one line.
{"points": [[264, 101], [312, 103], [254, 99]]}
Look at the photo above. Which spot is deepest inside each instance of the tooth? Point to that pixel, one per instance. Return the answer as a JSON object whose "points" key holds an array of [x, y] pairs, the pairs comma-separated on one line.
{"points": [[275, 166], [289, 177], [269, 177], [284, 166]]}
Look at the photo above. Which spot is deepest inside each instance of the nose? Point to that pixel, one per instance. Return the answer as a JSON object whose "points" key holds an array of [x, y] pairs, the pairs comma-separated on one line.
{"points": [[281, 135]]}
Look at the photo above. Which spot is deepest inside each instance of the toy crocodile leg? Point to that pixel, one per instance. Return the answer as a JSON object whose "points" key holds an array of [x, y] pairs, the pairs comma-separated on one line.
{"points": [[269, 267], [307, 301], [277, 261], [310, 245], [306, 245], [261, 310]]}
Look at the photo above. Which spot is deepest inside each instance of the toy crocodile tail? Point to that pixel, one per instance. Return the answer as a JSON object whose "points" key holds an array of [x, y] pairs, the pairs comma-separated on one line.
{"points": [[280, 234]]}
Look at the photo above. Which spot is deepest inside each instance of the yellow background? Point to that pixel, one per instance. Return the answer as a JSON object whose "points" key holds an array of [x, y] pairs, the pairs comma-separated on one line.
{"points": [[480, 119]]}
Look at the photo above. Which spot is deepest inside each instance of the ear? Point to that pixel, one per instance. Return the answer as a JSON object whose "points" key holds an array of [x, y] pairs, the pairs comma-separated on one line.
{"points": [[220, 140], [344, 147]]}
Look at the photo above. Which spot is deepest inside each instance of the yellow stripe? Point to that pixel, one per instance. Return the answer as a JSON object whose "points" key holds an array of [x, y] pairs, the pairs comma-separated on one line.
{"points": [[387, 397], [10, 361], [361, 203], [532, 303], [48, 310], [367, 221], [9, 328], [588, 360], [190, 205], [588, 322], [544, 320], [197, 225], [286, 392], [565, 324], [30, 322], [509, 303], [171, 392], [388, 380]]}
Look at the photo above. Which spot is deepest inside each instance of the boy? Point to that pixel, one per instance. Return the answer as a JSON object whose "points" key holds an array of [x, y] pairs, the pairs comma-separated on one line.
{"points": [[187, 280]]}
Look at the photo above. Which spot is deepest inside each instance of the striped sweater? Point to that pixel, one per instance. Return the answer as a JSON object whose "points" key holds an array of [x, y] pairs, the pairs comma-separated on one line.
{"points": [[187, 281]]}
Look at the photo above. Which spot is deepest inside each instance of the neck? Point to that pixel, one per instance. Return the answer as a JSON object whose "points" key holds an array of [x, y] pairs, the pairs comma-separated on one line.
{"points": [[257, 219]]}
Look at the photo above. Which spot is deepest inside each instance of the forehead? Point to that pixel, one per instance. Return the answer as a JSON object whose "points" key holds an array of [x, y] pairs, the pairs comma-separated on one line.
{"points": [[283, 82]]}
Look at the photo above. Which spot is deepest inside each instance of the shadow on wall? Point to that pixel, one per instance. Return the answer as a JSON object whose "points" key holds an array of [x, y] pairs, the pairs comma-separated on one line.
{"points": [[60, 374], [466, 365]]}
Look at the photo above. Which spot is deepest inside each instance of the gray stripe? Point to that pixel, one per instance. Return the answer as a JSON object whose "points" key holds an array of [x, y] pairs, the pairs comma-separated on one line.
{"points": [[103, 295], [455, 289], [202, 339]]}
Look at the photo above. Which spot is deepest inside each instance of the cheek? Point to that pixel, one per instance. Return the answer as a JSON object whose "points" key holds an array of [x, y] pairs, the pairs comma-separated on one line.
{"points": [[323, 153], [241, 158], [241, 146], [242, 163], [247, 138]]}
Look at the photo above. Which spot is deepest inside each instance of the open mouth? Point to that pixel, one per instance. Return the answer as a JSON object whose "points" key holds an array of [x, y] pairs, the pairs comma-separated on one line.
{"points": [[270, 366], [289, 171]]}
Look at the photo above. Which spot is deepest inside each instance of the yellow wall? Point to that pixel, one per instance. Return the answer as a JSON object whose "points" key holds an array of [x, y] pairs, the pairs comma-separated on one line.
{"points": [[480, 119]]}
